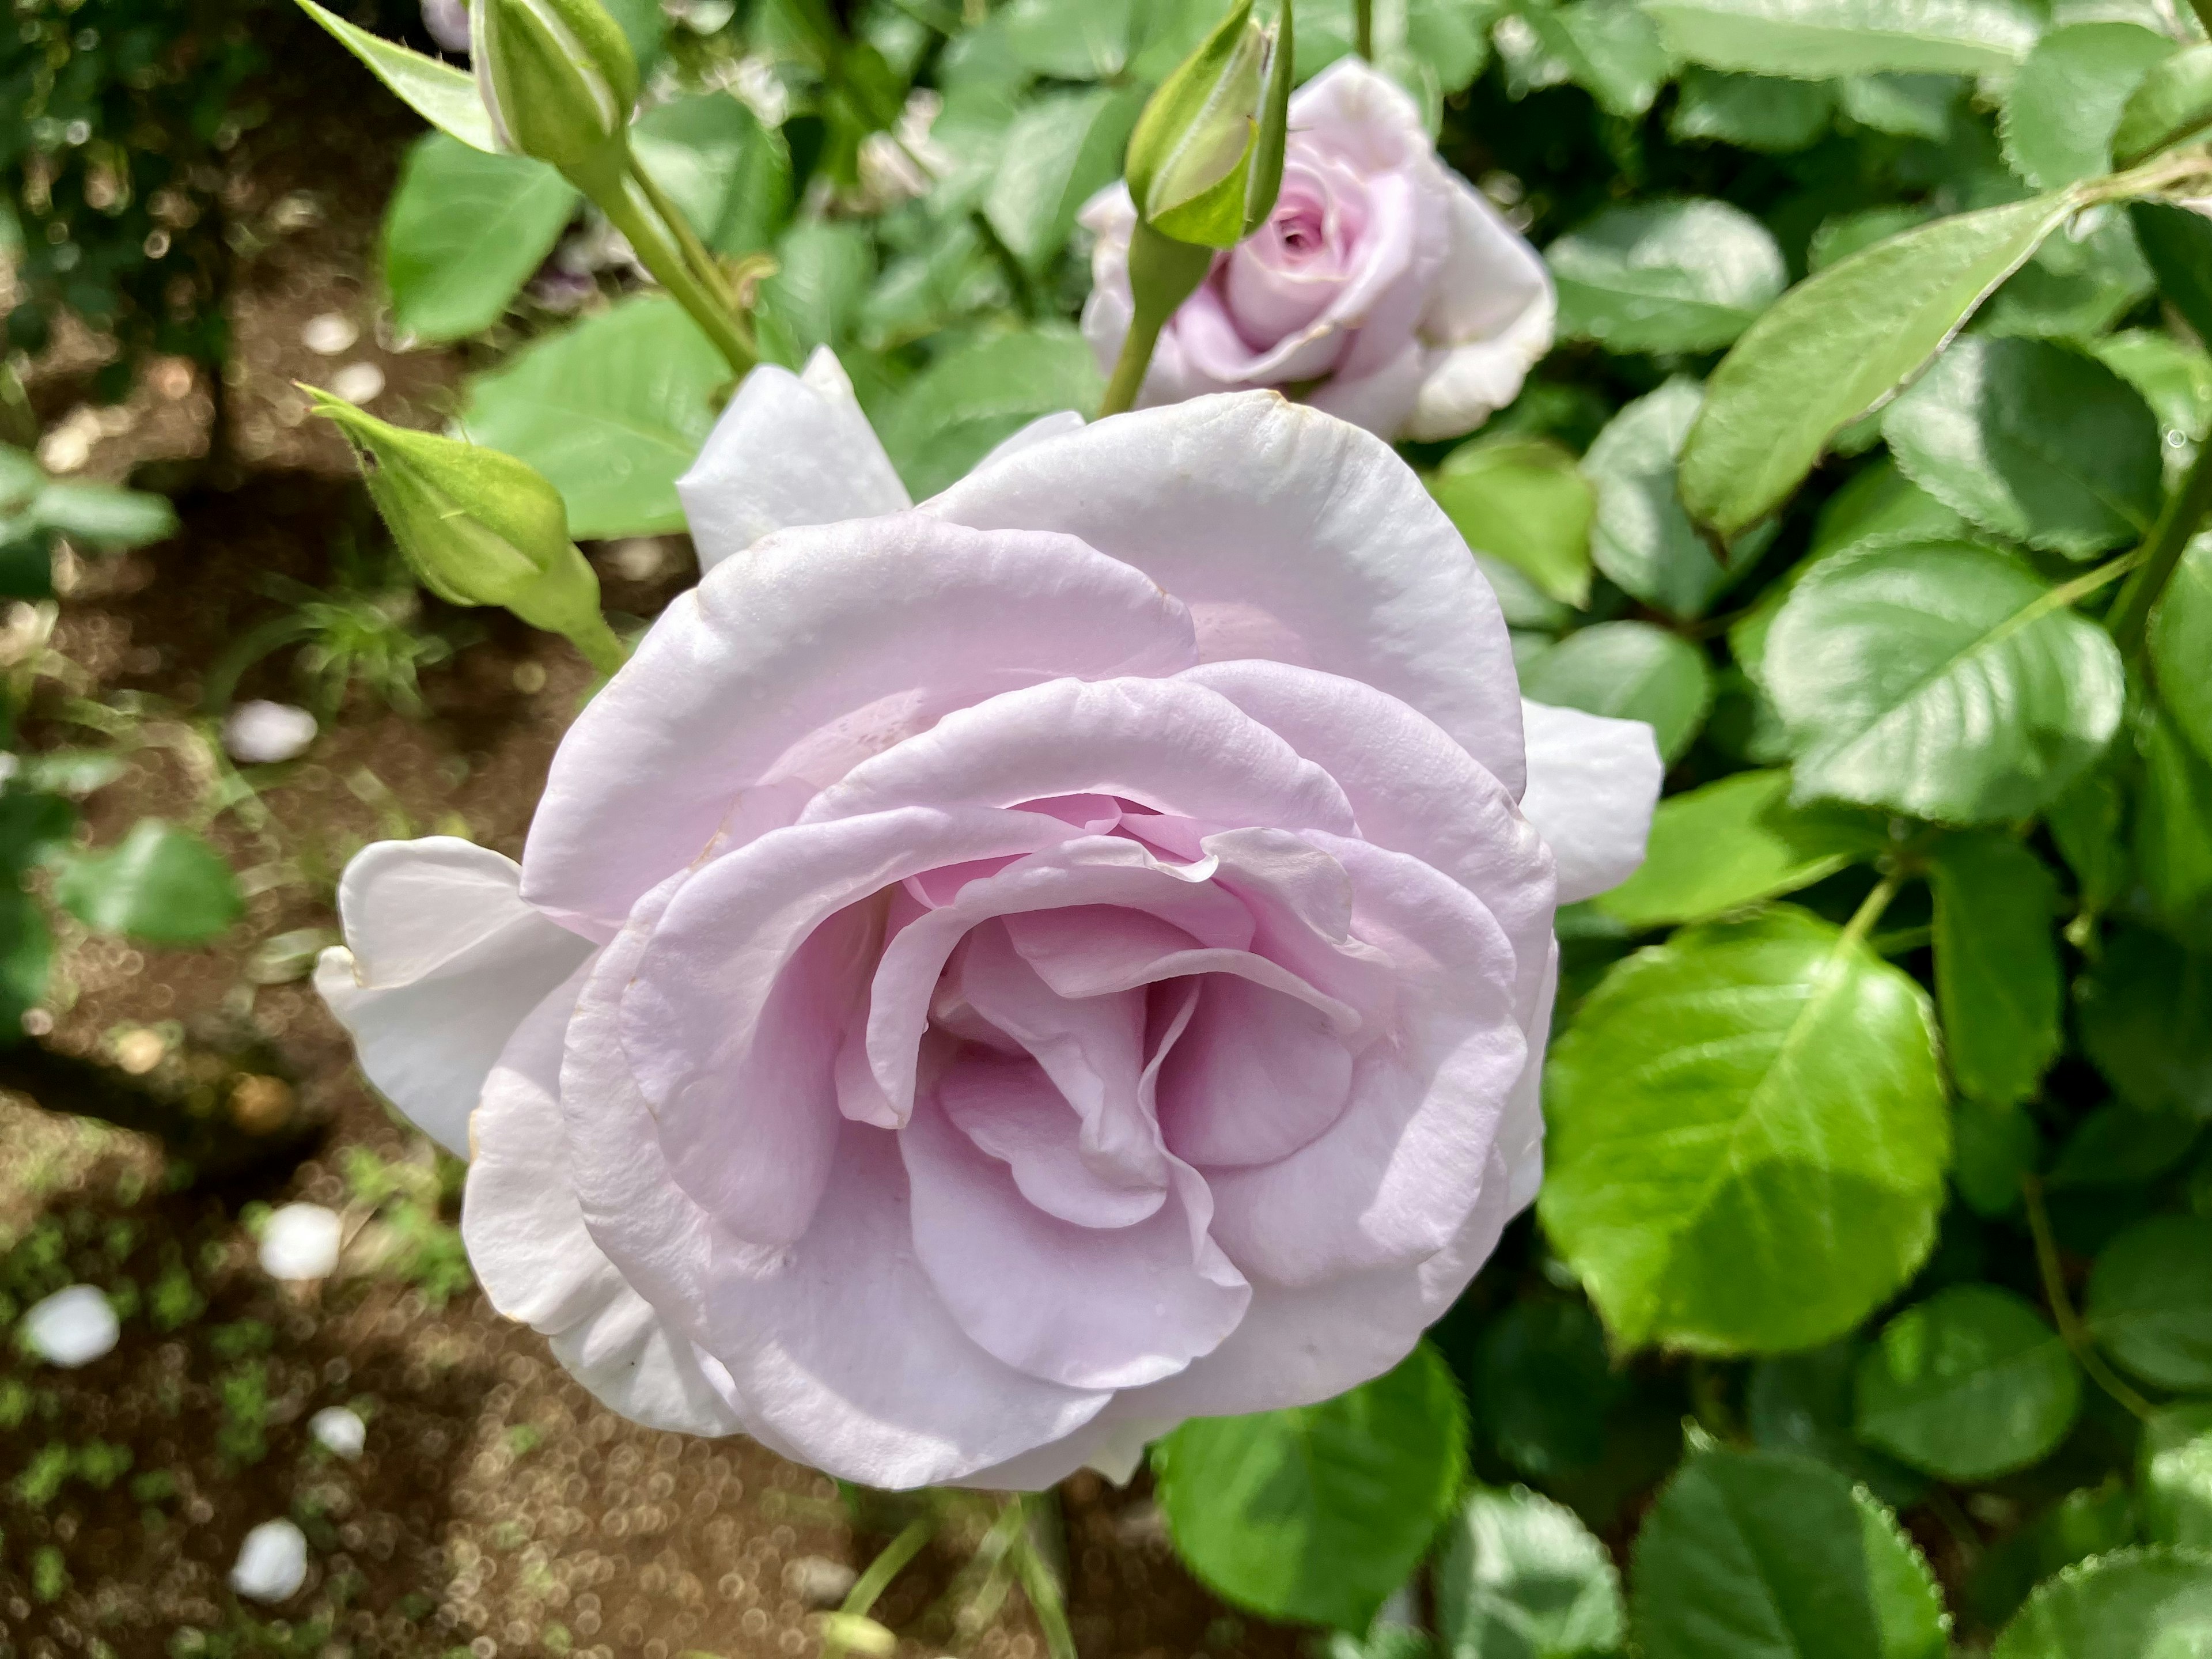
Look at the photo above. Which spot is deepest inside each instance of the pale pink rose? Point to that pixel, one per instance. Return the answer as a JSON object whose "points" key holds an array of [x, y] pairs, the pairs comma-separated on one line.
{"points": [[1383, 289], [992, 980]]}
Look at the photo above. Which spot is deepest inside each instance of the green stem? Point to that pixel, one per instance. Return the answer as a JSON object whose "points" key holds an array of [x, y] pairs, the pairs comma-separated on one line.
{"points": [[1042, 1588], [1869, 911], [600, 645], [703, 263], [1129, 368], [2071, 1331], [1163, 273], [611, 188], [878, 1578], [2161, 553], [1363, 27]]}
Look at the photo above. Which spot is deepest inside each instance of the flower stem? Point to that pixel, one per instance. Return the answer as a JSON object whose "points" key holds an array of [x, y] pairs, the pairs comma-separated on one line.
{"points": [[2161, 553], [703, 263], [1869, 911], [1163, 273], [612, 187], [2071, 1331], [1129, 368], [877, 1579], [1363, 27], [1042, 1587], [600, 646]]}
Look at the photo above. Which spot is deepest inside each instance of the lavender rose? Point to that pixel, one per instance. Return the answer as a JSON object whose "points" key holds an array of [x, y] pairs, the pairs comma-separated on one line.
{"points": [[1383, 287], [991, 980]]}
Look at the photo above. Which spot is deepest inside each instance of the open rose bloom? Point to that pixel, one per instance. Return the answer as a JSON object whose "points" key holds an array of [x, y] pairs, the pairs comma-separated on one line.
{"points": [[990, 980], [1383, 289]]}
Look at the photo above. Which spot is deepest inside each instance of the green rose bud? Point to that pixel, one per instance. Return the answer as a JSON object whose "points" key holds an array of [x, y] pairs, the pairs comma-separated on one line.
{"points": [[1206, 159], [478, 527], [558, 76]]}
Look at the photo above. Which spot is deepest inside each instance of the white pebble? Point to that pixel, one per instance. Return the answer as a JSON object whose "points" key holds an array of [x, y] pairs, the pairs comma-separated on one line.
{"points": [[272, 1562], [261, 733], [301, 1242], [339, 1432], [71, 1327], [358, 383], [330, 333]]}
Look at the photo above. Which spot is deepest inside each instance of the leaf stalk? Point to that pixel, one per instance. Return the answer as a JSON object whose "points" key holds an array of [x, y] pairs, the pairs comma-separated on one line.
{"points": [[2160, 555], [2071, 1331]]}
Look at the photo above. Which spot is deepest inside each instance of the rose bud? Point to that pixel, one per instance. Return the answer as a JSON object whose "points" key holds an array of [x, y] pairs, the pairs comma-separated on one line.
{"points": [[1381, 285], [990, 980], [558, 76], [478, 527]]}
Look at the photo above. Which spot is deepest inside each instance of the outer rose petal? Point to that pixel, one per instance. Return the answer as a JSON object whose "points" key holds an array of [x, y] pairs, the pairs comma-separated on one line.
{"points": [[1593, 783], [445, 960], [821, 647], [791, 449], [1290, 535], [1489, 317], [527, 1242]]}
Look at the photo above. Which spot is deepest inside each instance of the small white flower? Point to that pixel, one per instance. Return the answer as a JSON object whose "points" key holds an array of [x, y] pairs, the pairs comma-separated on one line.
{"points": [[71, 1327], [301, 1242], [272, 1562], [260, 733], [339, 1431]]}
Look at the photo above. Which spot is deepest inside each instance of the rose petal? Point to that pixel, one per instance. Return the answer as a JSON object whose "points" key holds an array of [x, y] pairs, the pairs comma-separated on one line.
{"points": [[1055, 425], [789, 450], [819, 648], [1593, 783], [1292, 537], [1089, 1307], [445, 960], [1014, 1113], [1257, 1075], [1489, 317]]}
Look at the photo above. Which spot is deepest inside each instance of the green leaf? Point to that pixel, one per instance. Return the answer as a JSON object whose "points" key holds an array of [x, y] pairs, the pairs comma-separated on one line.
{"points": [[1644, 539], [1997, 965], [1686, 275], [1609, 48], [824, 269], [1520, 1578], [444, 96], [2145, 1016], [1993, 1148], [1755, 111], [1543, 1385], [1813, 40], [1630, 671], [2174, 378], [2059, 115], [1059, 151], [2149, 1301], [27, 958], [729, 174], [101, 515], [612, 411], [1909, 105], [159, 884], [2116, 1145], [1801, 1402], [2181, 646], [2074, 290], [1968, 1384], [1753, 1554], [2085, 820], [1319, 1512], [2173, 832], [1732, 843], [1748, 1137], [1522, 500], [1839, 344], [1940, 679], [2174, 1475], [976, 395], [2037, 443], [2170, 104], [1881, 501], [2177, 244], [2131, 1604], [463, 231]]}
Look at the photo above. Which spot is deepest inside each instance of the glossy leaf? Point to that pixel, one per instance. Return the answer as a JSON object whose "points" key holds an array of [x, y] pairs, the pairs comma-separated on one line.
{"points": [[1630, 671], [1755, 111], [2067, 99], [159, 884], [2150, 1300], [463, 231], [1837, 345], [1997, 965], [1815, 39], [1609, 48], [2171, 104], [2174, 1475], [1521, 500], [1941, 679], [970, 398], [441, 95], [1732, 843], [1643, 540], [1968, 1384], [2116, 1145], [1747, 1137], [1520, 1578], [1678, 275], [2037, 443], [1752, 1553], [1993, 1149], [2181, 646], [1319, 1512], [729, 174], [2177, 244], [612, 411], [1801, 1402], [2172, 840], [2145, 1016], [2130, 1604], [1058, 151]]}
